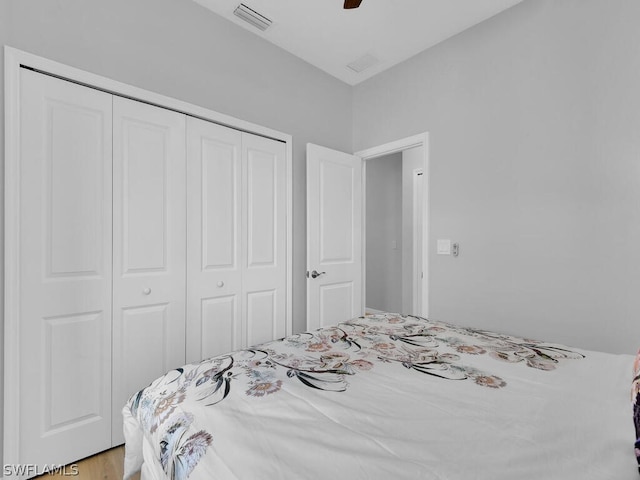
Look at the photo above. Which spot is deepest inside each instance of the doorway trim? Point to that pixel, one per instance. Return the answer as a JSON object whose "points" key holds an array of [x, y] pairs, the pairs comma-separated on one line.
{"points": [[419, 140], [417, 274]]}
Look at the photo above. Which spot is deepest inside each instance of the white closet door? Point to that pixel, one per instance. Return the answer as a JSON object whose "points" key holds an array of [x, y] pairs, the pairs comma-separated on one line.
{"points": [[65, 270], [264, 240], [149, 221], [213, 243]]}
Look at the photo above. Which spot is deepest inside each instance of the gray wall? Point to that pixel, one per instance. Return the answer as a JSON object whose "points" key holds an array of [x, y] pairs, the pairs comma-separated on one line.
{"points": [[179, 49], [534, 121], [384, 226]]}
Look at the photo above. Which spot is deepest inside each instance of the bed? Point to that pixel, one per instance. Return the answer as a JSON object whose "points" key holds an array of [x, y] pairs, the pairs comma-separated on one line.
{"points": [[387, 396]]}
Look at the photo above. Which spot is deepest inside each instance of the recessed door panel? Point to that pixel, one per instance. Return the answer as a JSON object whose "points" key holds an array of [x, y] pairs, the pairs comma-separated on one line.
{"points": [[146, 157], [220, 325], [64, 270], [220, 209], [337, 206], [262, 219], [146, 360], [74, 189], [336, 303], [262, 320], [72, 375], [149, 231]]}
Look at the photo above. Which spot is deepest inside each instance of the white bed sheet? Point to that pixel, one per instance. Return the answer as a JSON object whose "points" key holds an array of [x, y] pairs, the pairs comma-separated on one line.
{"points": [[394, 422]]}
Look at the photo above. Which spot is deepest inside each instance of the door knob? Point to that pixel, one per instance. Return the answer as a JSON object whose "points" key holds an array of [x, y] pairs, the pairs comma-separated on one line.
{"points": [[316, 274], [146, 291]]}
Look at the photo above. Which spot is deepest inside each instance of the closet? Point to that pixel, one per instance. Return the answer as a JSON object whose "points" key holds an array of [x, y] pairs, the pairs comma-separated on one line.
{"points": [[146, 238]]}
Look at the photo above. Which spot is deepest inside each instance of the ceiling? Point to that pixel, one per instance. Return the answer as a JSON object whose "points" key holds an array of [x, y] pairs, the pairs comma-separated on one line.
{"points": [[322, 33]]}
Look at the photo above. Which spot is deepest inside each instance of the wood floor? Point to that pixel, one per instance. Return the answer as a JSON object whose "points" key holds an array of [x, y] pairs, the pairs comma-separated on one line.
{"points": [[107, 465]]}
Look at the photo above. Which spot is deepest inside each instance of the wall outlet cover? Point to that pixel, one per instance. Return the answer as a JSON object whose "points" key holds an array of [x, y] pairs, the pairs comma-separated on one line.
{"points": [[444, 247]]}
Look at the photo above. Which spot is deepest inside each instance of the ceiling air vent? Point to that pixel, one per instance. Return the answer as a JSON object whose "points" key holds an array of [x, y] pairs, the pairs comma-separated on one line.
{"points": [[249, 15], [364, 62]]}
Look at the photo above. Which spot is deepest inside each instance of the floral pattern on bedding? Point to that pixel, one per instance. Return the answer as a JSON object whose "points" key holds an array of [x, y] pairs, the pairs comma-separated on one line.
{"points": [[324, 360], [635, 398]]}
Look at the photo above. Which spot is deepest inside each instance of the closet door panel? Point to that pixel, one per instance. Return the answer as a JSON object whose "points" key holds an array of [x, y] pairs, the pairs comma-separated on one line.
{"points": [[151, 324], [149, 222], [264, 239], [145, 169], [262, 221], [262, 316], [213, 251], [64, 270]]}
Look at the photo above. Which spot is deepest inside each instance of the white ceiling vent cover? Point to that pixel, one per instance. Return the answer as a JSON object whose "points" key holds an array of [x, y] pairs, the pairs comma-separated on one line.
{"points": [[364, 62], [249, 15]]}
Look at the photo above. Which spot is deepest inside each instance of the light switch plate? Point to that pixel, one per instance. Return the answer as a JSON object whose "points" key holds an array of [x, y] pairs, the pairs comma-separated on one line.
{"points": [[444, 247]]}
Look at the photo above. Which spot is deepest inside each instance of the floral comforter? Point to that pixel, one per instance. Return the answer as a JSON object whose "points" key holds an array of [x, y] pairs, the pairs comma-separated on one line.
{"points": [[368, 398]]}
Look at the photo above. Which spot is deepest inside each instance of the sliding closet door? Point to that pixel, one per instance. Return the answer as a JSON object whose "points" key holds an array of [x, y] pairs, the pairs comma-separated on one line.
{"points": [[214, 277], [149, 219], [264, 240], [64, 270]]}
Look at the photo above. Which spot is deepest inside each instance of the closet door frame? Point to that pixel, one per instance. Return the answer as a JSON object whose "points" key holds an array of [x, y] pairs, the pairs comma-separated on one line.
{"points": [[14, 60]]}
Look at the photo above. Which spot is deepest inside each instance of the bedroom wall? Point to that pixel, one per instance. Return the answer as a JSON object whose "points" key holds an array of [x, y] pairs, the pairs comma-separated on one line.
{"points": [[533, 119], [180, 49], [383, 228]]}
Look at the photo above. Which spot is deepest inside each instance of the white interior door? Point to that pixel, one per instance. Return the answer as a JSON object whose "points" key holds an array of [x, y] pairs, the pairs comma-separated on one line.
{"points": [[214, 267], [334, 236], [149, 255], [264, 240], [64, 271]]}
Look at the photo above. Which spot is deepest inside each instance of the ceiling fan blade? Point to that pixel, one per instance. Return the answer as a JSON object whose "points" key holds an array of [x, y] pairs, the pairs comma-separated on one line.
{"points": [[352, 3]]}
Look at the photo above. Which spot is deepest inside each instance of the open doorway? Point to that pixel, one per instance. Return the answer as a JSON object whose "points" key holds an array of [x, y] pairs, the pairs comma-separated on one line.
{"points": [[384, 234], [395, 246]]}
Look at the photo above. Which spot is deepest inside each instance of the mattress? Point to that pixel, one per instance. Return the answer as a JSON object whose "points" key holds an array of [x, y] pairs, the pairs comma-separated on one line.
{"points": [[388, 397]]}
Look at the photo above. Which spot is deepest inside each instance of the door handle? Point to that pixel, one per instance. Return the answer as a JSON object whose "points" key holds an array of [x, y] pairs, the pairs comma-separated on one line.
{"points": [[316, 274]]}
